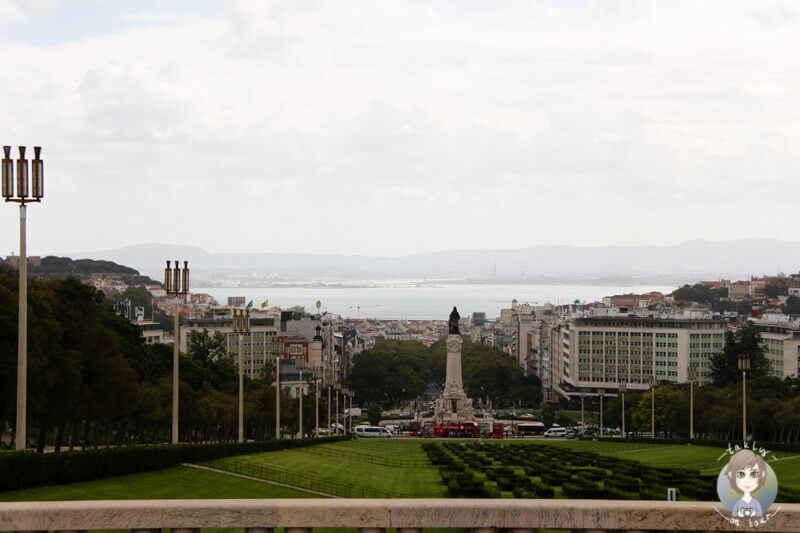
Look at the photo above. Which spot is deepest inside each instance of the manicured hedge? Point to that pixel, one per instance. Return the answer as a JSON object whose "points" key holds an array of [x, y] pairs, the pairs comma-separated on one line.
{"points": [[22, 470], [579, 474], [771, 446]]}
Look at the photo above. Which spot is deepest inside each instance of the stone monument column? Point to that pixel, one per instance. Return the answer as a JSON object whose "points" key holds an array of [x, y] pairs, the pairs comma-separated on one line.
{"points": [[453, 406], [453, 381]]}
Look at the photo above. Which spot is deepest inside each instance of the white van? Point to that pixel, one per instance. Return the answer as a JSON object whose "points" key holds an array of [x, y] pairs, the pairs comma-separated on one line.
{"points": [[373, 432], [556, 432]]}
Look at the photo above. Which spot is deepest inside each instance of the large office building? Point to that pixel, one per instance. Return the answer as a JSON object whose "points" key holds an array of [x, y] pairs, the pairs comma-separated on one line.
{"points": [[781, 342], [257, 346], [601, 352]]}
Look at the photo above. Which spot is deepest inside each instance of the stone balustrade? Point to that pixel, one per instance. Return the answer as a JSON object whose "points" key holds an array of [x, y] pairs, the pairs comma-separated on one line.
{"points": [[375, 515]]}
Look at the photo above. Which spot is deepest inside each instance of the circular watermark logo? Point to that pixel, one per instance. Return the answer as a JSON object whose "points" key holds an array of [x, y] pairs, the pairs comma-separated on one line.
{"points": [[747, 486]]}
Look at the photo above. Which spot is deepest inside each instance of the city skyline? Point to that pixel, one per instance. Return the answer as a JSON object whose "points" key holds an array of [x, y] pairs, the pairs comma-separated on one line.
{"points": [[402, 127]]}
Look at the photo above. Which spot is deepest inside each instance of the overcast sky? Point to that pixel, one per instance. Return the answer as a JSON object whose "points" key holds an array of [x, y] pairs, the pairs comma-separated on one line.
{"points": [[393, 127]]}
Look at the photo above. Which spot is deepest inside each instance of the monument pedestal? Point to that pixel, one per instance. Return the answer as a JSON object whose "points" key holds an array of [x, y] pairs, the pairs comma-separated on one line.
{"points": [[453, 406]]}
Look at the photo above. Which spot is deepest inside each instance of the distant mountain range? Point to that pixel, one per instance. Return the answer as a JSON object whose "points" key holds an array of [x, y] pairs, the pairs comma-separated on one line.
{"points": [[683, 263]]}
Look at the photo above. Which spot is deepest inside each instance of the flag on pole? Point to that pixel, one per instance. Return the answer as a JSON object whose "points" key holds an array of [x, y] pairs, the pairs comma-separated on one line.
{"points": [[265, 303], [249, 305]]}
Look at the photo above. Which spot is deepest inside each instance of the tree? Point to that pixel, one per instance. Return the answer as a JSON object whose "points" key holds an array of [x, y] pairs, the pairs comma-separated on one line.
{"points": [[548, 415], [391, 371], [204, 347], [773, 290], [744, 341], [374, 414], [792, 306]]}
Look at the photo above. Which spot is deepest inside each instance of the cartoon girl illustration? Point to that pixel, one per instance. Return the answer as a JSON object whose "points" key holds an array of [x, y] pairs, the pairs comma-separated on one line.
{"points": [[746, 473]]}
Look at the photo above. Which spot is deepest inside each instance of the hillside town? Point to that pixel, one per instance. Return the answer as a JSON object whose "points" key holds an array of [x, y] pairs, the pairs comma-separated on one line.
{"points": [[625, 338]]}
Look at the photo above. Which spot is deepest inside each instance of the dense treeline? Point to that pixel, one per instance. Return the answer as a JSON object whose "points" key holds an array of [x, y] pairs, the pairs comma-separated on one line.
{"points": [[92, 381], [395, 371], [773, 410]]}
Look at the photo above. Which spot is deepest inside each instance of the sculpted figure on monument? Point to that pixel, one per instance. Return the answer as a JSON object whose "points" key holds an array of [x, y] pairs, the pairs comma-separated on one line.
{"points": [[453, 322]]}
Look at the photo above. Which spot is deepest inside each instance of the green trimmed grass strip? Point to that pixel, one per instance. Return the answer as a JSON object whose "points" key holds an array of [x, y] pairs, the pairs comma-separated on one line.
{"points": [[172, 483]]}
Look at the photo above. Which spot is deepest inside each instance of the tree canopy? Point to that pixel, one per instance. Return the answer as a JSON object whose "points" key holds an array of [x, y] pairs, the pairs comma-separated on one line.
{"points": [[402, 370], [90, 376], [745, 341]]}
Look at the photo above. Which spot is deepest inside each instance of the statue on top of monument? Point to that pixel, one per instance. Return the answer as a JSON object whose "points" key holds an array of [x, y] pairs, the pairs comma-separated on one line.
{"points": [[453, 322]]}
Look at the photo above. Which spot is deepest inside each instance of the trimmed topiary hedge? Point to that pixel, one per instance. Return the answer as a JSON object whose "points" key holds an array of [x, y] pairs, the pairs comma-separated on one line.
{"points": [[23, 470], [714, 443]]}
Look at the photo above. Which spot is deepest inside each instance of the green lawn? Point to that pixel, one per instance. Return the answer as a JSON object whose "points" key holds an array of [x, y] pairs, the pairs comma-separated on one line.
{"points": [[397, 481], [685, 456], [172, 483]]}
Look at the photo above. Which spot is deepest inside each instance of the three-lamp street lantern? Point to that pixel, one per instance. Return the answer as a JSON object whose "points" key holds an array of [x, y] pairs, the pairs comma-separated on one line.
{"points": [[623, 386], [241, 327], [692, 375], [744, 366], [24, 195], [176, 283]]}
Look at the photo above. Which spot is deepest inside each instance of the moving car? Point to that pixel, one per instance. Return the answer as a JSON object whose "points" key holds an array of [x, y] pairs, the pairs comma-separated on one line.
{"points": [[556, 432], [374, 432]]}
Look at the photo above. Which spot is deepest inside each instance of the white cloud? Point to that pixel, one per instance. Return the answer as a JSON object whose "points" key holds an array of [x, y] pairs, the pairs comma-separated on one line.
{"points": [[10, 12], [523, 123]]}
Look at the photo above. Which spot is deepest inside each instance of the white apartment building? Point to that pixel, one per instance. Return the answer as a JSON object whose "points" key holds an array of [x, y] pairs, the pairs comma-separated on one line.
{"points": [[601, 352], [781, 342], [257, 347]]}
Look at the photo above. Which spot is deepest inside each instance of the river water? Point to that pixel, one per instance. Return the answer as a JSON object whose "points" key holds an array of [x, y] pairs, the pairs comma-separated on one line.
{"points": [[420, 301]]}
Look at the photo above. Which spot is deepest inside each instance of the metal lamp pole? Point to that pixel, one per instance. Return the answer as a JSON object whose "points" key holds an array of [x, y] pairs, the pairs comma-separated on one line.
{"points": [[300, 364], [317, 372], [602, 393], [278, 396], [345, 393], [241, 327], [692, 377], [744, 366], [176, 285], [24, 196], [652, 381], [583, 422], [337, 409], [623, 386]]}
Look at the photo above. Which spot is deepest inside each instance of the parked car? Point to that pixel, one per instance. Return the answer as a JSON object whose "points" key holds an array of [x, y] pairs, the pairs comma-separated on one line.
{"points": [[571, 433]]}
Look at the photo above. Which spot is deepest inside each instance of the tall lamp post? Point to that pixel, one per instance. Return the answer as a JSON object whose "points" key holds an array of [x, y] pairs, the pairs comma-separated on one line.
{"points": [[345, 394], [24, 196], [602, 393], [692, 376], [623, 386], [583, 422], [744, 366], [176, 285], [300, 364], [241, 327], [278, 396], [651, 380], [336, 412], [317, 374]]}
